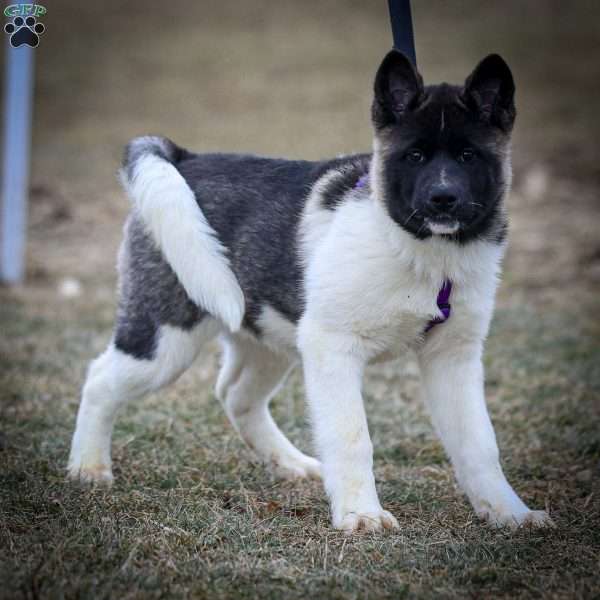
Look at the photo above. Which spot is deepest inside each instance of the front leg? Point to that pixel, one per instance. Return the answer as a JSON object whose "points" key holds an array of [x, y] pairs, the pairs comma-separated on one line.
{"points": [[333, 369], [452, 375]]}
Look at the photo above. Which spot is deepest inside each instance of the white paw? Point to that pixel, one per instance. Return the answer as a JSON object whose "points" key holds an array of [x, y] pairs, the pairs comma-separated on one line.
{"points": [[289, 468], [90, 474], [378, 520], [528, 518], [537, 518]]}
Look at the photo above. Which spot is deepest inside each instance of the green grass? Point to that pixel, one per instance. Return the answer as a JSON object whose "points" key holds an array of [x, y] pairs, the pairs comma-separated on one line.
{"points": [[190, 514]]}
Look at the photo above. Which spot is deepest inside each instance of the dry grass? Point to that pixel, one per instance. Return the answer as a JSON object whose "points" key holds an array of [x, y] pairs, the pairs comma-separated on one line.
{"points": [[190, 514]]}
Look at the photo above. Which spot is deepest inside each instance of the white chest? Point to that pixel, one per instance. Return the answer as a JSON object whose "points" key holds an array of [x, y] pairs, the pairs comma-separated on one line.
{"points": [[367, 277]]}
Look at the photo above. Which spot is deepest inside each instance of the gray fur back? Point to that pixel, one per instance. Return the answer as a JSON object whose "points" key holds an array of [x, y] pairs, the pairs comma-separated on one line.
{"points": [[255, 204]]}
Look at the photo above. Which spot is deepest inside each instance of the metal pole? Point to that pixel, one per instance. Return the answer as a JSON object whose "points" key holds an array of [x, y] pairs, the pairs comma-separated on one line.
{"points": [[16, 143]]}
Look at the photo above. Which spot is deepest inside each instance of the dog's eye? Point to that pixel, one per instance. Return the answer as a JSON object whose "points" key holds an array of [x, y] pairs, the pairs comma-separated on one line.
{"points": [[415, 156], [467, 155]]}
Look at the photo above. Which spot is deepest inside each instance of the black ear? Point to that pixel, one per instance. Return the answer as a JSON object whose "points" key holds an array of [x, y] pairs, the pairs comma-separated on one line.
{"points": [[490, 89], [398, 89]]}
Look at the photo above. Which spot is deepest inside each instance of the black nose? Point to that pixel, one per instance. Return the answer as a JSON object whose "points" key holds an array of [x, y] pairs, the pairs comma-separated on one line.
{"points": [[442, 202]]}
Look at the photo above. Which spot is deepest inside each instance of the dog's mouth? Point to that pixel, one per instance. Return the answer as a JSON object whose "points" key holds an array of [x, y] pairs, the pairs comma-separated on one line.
{"points": [[442, 225]]}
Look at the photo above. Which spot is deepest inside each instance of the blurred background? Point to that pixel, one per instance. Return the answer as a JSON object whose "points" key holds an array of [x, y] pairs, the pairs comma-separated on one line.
{"points": [[293, 79]]}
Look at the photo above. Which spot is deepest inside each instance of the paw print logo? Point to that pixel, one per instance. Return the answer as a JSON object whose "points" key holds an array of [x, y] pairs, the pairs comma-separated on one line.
{"points": [[24, 31]]}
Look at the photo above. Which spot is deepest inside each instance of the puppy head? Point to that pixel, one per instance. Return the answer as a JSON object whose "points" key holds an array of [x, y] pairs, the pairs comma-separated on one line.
{"points": [[442, 152]]}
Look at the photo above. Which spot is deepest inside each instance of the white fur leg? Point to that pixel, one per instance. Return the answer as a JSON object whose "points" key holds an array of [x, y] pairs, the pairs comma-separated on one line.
{"points": [[250, 376], [333, 375], [113, 379], [190, 245], [453, 385]]}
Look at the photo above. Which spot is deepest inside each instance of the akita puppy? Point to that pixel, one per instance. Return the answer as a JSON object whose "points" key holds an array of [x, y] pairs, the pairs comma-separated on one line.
{"points": [[332, 264]]}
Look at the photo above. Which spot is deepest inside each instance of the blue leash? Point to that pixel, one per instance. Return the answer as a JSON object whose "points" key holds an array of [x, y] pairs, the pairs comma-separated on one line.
{"points": [[402, 28]]}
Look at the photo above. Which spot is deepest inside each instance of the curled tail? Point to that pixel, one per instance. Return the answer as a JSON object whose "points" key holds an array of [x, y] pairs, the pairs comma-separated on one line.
{"points": [[167, 206]]}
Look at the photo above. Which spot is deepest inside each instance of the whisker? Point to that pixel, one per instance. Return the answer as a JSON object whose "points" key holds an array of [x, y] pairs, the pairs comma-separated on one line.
{"points": [[412, 214]]}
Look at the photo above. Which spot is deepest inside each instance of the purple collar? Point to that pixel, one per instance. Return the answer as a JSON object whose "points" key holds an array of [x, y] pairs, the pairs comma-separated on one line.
{"points": [[443, 299], [362, 182], [443, 302]]}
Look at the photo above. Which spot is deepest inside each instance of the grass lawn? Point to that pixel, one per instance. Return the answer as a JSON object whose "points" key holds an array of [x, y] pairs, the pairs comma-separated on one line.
{"points": [[190, 514]]}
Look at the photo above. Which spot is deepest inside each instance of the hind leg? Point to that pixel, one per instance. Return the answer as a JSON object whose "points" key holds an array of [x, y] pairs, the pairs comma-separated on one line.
{"points": [[250, 376], [117, 377]]}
